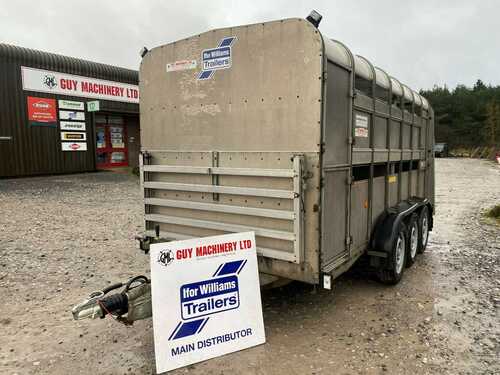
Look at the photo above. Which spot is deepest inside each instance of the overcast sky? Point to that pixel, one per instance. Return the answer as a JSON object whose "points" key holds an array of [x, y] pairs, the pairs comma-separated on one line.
{"points": [[421, 42]]}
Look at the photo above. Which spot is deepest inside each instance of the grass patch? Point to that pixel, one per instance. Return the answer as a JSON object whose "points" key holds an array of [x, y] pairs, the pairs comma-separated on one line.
{"points": [[494, 213]]}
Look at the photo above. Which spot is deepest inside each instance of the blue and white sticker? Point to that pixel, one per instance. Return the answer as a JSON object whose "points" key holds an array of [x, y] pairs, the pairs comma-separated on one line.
{"points": [[218, 58]]}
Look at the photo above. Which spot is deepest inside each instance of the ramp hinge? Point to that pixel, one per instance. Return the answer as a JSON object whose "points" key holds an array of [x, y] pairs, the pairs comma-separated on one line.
{"points": [[349, 179], [351, 140]]}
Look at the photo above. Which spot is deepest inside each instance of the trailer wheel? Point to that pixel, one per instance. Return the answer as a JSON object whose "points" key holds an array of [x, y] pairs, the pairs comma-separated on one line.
{"points": [[412, 243], [394, 272], [423, 229]]}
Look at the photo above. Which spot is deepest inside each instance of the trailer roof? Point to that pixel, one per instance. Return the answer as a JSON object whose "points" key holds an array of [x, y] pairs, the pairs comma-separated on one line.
{"points": [[340, 54]]}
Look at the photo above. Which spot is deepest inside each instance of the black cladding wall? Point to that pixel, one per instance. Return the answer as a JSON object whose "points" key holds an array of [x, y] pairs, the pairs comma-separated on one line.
{"points": [[33, 150]]}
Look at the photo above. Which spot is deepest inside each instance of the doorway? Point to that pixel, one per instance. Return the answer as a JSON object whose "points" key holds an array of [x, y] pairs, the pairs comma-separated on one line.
{"points": [[111, 141]]}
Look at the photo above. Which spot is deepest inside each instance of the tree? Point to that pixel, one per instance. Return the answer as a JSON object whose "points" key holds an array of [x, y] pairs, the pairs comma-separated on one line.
{"points": [[466, 117], [492, 123]]}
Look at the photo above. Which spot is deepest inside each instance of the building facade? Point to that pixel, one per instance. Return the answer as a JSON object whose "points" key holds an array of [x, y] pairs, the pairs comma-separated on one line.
{"points": [[60, 114]]}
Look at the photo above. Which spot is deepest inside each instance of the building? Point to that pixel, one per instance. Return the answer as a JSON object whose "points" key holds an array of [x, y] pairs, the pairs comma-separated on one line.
{"points": [[60, 114]]}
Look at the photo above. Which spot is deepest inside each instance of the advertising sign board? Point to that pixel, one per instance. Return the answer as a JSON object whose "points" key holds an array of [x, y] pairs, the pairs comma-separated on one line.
{"points": [[206, 299], [42, 111]]}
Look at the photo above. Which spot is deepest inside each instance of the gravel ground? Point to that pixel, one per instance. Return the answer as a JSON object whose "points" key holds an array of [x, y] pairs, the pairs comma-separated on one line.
{"points": [[65, 236]]}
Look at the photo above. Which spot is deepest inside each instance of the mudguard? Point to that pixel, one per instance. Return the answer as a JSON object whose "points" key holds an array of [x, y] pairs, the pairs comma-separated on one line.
{"points": [[386, 229]]}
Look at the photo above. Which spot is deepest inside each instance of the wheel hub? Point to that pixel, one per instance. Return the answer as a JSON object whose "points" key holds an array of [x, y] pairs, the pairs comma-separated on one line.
{"points": [[400, 251], [425, 231], [413, 241]]}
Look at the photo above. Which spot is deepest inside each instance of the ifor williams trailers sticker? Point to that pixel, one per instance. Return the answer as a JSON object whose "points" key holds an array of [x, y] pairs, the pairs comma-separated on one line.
{"points": [[216, 58]]}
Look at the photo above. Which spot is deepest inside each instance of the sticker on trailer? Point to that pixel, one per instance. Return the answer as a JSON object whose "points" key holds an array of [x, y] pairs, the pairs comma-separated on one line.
{"points": [[74, 146], [216, 58], [70, 104], [181, 65], [69, 136], [361, 126], [72, 115], [206, 299], [72, 125]]}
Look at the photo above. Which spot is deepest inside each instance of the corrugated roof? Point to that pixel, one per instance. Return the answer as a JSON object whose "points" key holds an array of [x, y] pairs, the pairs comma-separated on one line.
{"points": [[66, 64]]}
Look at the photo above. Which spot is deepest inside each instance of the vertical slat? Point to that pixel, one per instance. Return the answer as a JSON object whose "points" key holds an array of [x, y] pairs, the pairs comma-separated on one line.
{"points": [[298, 224]]}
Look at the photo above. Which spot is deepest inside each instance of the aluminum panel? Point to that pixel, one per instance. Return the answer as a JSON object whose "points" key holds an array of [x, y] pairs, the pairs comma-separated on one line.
{"points": [[403, 185], [335, 219], [380, 132], [337, 117], [395, 133], [359, 214], [378, 198]]}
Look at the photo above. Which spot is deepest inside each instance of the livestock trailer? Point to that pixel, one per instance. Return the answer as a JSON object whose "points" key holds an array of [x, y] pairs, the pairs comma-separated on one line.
{"points": [[277, 129]]}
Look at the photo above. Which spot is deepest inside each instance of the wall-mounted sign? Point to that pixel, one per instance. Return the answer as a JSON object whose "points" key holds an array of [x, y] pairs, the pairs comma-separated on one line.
{"points": [[70, 136], [69, 84], [206, 299], [42, 111], [181, 65], [93, 106], [72, 115], [74, 146], [72, 125], [70, 104]]}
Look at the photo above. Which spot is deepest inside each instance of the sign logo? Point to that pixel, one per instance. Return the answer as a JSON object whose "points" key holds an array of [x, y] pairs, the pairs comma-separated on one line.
{"points": [[166, 257], [74, 146], [216, 58], [208, 297], [41, 105], [50, 81]]}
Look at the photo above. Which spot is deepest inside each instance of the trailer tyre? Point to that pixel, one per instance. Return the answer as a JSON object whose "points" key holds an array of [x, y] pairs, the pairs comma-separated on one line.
{"points": [[413, 240], [423, 228], [393, 273]]}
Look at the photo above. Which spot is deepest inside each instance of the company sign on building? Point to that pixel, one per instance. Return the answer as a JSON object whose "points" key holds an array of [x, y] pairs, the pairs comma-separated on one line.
{"points": [[73, 85]]}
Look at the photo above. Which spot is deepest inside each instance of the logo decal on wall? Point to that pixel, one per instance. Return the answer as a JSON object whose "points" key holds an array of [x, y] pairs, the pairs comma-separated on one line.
{"points": [[216, 58]]}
